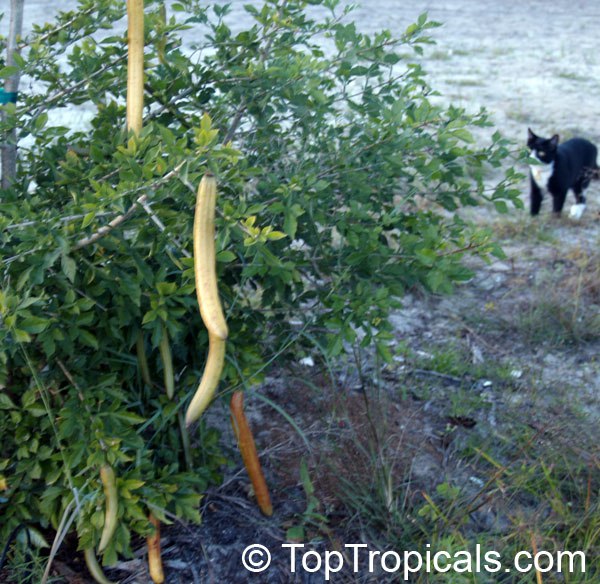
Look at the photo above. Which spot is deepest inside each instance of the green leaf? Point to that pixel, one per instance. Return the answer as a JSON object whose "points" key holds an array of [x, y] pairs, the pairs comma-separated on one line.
{"points": [[426, 256], [40, 121], [24, 278], [35, 537], [290, 225], [501, 206], [6, 403], [295, 534], [226, 257], [69, 267], [166, 288], [128, 417], [275, 235], [21, 336], [88, 219], [464, 135], [34, 324], [383, 350], [6, 72], [88, 339], [150, 316]]}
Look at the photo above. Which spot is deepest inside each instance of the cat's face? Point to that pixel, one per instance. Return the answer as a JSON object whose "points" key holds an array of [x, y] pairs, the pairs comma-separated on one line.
{"points": [[544, 149]]}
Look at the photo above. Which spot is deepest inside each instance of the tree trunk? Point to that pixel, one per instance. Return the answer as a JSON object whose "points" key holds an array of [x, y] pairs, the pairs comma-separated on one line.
{"points": [[11, 87]]}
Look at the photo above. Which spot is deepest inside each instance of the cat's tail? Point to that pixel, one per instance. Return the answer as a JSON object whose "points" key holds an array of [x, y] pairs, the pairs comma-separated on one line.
{"points": [[592, 173]]}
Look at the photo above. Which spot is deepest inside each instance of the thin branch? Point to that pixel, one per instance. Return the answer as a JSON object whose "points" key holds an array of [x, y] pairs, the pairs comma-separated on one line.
{"points": [[469, 247], [156, 220], [186, 183], [105, 229], [48, 101], [169, 105], [140, 202], [56, 30], [234, 124], [66, 219], [444, 376]]}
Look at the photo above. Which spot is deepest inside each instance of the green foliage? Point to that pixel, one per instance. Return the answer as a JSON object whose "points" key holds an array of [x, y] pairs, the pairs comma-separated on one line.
{"points": [[524, 490], [312, 517], [339, 183]]}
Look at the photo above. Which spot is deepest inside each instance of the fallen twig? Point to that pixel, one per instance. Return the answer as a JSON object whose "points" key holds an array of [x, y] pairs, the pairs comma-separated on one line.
{"points": [[445, 376]]}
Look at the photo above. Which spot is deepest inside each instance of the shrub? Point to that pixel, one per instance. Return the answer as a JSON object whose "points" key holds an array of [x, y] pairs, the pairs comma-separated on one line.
{"points": [[340, 180]]}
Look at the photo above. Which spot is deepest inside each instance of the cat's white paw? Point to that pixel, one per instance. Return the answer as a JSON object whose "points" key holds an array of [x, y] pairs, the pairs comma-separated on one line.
{"points": [[577, 211]]}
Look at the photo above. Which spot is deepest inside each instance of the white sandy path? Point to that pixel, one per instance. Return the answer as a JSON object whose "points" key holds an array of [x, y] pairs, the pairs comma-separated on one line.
{"points": [[534, 62]]}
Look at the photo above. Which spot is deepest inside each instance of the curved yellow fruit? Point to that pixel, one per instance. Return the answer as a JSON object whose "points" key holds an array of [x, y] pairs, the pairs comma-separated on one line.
{"points": [[205, 268], [154, 559], [210, 379], [135, 64], [167, 359], [94, 567], [109, 483]]}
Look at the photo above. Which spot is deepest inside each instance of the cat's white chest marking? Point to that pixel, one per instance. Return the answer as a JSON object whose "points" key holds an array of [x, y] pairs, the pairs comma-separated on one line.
{"points": [[541, 173]]}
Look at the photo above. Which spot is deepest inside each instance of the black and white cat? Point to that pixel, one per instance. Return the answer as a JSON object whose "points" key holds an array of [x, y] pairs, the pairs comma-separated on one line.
{"points": [[570, 165]]}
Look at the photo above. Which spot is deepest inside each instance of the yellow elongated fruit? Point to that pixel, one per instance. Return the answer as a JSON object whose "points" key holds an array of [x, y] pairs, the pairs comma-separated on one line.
{"points": [[210, 379], [135, 64], [94, 567], [167, 359], [109, 483], [154, 559], [205, 269], [247, 447]]}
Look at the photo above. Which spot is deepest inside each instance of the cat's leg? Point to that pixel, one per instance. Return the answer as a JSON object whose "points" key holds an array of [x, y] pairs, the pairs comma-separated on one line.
{"points": [[535, 196], [578, 208], [558, 201]]}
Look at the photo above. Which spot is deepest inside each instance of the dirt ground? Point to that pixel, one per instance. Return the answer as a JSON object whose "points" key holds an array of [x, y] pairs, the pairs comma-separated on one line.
{"points": [[533, 314]]}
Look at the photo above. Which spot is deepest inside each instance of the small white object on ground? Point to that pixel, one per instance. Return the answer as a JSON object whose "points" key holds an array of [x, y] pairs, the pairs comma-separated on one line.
{"points": [[577, 211]]}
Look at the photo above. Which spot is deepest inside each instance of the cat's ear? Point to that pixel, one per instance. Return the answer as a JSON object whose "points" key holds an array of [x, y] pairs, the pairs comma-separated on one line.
{"points": [[530, 135], [554, 141]]}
